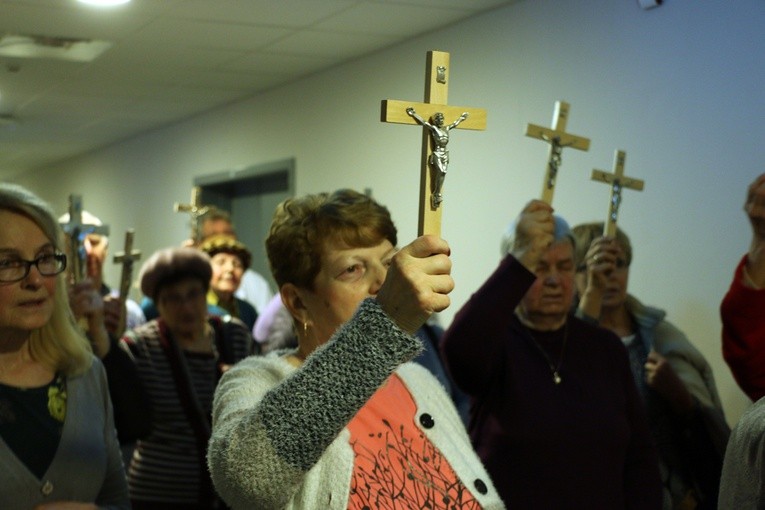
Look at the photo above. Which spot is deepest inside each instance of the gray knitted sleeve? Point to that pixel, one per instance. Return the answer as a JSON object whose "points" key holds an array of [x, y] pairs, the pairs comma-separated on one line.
{"points": [[266, 437]]}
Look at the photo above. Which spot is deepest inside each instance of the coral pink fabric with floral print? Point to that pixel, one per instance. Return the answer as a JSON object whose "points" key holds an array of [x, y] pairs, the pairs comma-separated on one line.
{"points": [[396, 466]]}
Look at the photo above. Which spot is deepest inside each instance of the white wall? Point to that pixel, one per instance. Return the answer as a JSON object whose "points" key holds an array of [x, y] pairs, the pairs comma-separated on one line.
{"points": [[678, 87]]}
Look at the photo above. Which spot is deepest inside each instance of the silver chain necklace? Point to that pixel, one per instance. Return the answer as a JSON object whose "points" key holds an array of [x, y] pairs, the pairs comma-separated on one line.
{"points": [[554, 369]]}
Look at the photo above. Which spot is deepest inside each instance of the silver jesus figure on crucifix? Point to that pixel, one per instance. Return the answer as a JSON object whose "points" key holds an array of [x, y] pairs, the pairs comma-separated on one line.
{"points": [[439, 159]]}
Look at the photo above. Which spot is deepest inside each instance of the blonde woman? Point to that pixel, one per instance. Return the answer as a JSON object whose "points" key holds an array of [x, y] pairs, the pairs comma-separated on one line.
{"points": [[58, 444]]}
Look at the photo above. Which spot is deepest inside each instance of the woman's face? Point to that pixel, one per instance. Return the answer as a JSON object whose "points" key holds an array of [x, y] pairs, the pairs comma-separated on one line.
{"points": [[227, 270], [28, 304], [550, 296], [346, 277], [615, 291], [183, 306]]}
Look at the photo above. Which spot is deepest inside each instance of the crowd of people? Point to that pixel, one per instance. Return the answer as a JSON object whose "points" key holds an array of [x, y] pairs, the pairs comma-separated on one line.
{"points": [[553, 387]]}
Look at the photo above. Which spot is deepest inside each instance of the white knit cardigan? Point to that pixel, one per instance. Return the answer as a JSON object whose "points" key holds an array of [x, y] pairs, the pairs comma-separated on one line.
{"points": [[279, 433]]}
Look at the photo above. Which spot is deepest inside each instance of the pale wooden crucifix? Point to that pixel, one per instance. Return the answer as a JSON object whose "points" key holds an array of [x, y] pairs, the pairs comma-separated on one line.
{"points": [[618, 182], [195, 210], [77, 232], [558, 140], [126, 258], [431, 115]]}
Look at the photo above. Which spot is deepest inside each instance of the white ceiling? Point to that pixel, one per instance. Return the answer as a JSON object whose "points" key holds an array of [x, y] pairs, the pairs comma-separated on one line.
{"points": [[172, 59]]}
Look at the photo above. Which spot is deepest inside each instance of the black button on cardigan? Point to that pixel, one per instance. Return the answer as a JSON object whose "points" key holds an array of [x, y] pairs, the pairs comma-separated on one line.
{"points": [[426, 421]]}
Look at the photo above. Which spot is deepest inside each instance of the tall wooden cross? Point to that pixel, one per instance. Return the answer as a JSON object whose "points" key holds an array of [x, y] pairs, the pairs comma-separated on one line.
{"points": [[618, 182], [126, 258], [77, 231], [431, 115], [558, 139], [195, 209]]}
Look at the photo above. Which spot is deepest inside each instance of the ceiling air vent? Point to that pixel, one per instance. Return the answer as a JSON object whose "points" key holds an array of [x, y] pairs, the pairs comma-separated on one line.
{"points": [[59, 48], [8, 121]]}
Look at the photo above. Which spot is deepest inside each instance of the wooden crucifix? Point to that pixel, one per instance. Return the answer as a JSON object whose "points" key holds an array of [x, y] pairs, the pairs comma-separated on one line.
{"points": [[618, 182], [76, 232], [195, 209], [126, 258], [432, 115], [558, 139]]}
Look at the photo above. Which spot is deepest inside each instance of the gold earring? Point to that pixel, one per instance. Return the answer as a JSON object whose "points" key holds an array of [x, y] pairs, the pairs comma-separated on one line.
{"points": [[305, 328]]}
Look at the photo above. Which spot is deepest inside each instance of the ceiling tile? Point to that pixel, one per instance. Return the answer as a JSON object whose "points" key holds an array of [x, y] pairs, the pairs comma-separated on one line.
{"points": [[172, 59], [282, 13], [393, 20], [330, 44]]}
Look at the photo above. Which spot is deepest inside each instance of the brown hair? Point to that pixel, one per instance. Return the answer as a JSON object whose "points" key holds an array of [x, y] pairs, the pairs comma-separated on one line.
{"points": [[586, 233], [302, 227], [171, 265]]}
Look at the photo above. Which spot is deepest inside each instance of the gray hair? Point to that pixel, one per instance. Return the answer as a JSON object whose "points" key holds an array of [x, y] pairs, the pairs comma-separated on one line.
{"points": [[562, 232]]}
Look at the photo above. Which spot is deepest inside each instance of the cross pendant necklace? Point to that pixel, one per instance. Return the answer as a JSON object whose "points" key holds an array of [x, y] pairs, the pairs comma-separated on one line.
{"points": [[554, 369]]}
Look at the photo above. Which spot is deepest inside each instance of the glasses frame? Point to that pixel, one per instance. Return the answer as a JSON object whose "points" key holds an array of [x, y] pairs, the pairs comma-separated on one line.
{"points": [[58, 256]]}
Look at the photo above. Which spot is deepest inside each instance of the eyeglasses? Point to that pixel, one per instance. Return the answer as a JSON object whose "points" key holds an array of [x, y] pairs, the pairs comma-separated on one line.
{"points": [[15, 270]]}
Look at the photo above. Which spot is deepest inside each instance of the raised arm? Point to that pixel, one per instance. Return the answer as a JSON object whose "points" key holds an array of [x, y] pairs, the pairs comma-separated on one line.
{"points": [[271, 424], [473, 343], [268, 433], [459, 119], [410, 111]]}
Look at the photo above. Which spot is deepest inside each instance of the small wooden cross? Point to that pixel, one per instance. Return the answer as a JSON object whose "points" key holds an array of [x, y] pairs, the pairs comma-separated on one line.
{"points": [[401, 112], [77, 231], [558, 140], [618, 181], [195, 210], [126, 258]]}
